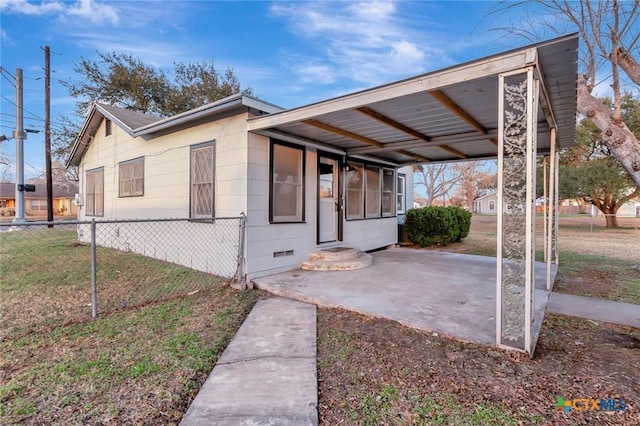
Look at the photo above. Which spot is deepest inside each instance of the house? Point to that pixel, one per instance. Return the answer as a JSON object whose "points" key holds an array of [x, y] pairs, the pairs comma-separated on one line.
{"points": [[327, 175], [36, 202], [204, 163], [486, 204], [630, 209]]}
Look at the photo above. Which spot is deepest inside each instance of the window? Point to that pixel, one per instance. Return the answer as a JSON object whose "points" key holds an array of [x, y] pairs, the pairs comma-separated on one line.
{"points": [[388, 199], [355, 191], [492, 205], [400, 194], [131, 175], [107, 127], [202, 166], [373, 191], [38, 205], [95, 192], [287, 183]]}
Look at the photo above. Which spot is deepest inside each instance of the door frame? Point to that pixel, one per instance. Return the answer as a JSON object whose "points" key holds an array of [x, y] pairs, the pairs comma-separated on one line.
{"points": [[338, 174]]}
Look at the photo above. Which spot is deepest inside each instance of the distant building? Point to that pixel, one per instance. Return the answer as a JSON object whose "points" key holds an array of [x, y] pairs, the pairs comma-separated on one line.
{"points": [[35, 203]]}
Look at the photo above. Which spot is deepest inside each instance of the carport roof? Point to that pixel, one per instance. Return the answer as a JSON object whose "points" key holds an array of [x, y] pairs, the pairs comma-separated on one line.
{"points": [[446, 115]]}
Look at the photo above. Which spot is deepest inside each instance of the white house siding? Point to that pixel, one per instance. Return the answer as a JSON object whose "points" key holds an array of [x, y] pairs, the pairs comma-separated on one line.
{"points": [[407, 171], [265, 239], [482, 204], [241, 185], [167, 169], [209, 247], [629, 209]]}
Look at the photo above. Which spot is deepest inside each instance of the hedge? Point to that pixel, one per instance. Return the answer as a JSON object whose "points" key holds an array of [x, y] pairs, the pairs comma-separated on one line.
{"points": [[430, 226]]}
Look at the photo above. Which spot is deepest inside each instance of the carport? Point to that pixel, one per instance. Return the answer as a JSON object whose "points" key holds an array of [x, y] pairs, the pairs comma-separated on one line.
{"points": [[514, 106]]}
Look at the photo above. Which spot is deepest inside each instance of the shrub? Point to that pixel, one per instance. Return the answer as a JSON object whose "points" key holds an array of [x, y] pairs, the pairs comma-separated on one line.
{"points": [[430, 226]]}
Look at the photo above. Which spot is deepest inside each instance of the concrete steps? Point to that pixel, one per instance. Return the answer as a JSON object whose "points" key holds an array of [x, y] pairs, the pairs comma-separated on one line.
{"points": [[337, 259]]}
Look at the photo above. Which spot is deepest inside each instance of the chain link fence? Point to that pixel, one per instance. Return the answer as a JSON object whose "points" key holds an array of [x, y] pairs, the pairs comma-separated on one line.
{"points": [[71, 271]]}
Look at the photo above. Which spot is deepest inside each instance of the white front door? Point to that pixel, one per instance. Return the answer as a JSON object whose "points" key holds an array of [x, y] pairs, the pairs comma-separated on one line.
{"points": [[328, 199]]}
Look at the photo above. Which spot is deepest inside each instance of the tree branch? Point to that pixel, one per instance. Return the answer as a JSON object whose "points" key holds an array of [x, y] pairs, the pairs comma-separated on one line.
{"points": [[629, 65], [615, 133]]}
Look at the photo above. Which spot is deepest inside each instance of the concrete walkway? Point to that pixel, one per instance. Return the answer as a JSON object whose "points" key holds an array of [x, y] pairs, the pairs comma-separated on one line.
{"points": [[267, 375], [595, 309]]}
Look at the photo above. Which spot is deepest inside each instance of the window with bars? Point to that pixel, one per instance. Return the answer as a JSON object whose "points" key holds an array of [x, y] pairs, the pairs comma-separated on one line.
{"points": [[94, 188], [287, 183], [131, 178], [202, 177]]}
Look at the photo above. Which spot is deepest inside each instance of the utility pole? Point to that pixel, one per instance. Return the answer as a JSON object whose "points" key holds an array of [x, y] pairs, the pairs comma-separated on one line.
{"points": [[19, 135], [47, 133]]}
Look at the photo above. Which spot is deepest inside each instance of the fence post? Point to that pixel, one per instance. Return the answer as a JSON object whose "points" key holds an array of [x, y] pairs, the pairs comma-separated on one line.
{"points": [[240, 275], [94, 286]]}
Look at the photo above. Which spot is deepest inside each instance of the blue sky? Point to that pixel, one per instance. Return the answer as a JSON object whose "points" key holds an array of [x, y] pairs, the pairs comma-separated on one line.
{"points": [[290, 53]]}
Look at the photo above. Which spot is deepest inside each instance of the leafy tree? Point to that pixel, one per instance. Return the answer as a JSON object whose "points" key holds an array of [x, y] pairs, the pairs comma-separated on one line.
{"points": [[589, 170], [609, 40], [127, 82]]}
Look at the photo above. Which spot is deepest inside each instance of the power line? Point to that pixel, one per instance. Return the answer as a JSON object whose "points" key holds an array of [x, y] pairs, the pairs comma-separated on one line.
{"points": [[4, 72], [57, 123], [23, 109]]}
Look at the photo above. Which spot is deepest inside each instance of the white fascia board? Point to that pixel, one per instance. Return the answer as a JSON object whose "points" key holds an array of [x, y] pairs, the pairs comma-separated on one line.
{"points": [[208, 109], [423, 83], [190, 115], [261, 105]]}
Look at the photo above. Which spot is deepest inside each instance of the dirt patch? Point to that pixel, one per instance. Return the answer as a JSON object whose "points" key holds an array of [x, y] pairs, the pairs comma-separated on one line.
{"points": [[374, 371]]}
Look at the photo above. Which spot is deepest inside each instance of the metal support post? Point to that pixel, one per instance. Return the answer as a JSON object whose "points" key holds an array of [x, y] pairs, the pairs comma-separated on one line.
{"points": [[20, 135], [94, 271]]}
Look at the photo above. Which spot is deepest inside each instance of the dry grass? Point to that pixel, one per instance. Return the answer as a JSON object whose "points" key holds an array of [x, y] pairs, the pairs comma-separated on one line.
{"points": [[594, 261], [139, 365], [374, 371]]}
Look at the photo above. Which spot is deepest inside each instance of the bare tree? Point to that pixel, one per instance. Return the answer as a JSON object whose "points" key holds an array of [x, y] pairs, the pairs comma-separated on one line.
{"points": [[436, 179], [472, 182], [610, 42], [61, 176], [5, 169]]}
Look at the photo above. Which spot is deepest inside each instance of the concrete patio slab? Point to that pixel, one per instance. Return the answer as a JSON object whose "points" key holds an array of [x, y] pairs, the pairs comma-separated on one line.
{"points": [[267, 375], [449, 293]]}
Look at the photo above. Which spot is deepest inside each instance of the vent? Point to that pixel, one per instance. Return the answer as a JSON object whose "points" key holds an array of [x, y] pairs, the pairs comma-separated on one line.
{"points": [[283, 253]]}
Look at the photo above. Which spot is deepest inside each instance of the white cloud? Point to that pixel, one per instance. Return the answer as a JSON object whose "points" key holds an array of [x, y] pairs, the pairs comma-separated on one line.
{"points": [[406, 52], [89, 9], [367, 43], [95, 12], [5, 37], [318, 73], [26, 8]]}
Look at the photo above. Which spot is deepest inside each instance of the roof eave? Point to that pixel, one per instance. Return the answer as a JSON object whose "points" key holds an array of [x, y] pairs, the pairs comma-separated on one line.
{"points": [[211, 109], [89, 126]]}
